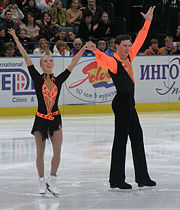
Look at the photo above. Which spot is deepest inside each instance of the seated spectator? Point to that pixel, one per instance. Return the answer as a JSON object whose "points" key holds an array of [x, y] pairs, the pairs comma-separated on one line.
{"points": [[168, 48], [101, 45], [61, 35], [25, 41], [177, 51], [46, 27], [153, 48], [43, 48], [112, 48], [71, 38], [74, 16], [17, 14], [61, 49], [77, 44], [32, 30], [58, 14], [9, 50], [85, 31], [103, 29], [2, 41], [30, 7], [9, 23], [177, 37], [95, 9]]}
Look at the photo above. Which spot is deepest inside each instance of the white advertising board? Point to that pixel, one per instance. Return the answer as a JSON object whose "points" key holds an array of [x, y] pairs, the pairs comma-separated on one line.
{"points": [[157, 80]]}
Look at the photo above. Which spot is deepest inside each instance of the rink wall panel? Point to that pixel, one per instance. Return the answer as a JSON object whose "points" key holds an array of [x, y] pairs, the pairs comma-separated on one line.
{"points": [[89, 88]]}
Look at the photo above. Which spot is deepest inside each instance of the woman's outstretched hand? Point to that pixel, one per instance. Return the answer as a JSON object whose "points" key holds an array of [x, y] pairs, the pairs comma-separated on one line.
{"points": [[149, 14], [12, 32]]}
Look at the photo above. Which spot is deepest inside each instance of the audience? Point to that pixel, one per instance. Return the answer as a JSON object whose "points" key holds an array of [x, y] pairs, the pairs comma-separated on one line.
{"points": [[61, 49], [58, 14], [77, 44], [112, 48], [177, 37], [168, 48], [153, 48], [43, 48], [9, 50], [101, 45]]}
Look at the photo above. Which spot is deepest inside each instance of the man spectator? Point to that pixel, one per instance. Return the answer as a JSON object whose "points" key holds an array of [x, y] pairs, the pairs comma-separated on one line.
{"points": [[168, 48], [9, 23], [153, 48], [85, 31], [96, 11]]}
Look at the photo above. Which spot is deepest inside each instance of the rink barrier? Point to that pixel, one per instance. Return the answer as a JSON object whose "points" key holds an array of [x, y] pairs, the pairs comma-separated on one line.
{"points": [[89, 109]]}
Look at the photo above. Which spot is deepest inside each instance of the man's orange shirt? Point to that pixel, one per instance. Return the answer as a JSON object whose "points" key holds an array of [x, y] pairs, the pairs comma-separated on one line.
{"points": [[109, 62]]}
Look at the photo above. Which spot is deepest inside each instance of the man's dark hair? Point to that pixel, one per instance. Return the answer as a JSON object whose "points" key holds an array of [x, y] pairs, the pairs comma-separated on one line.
{"points": [[122, 37], [88, 14], [8, 10]]}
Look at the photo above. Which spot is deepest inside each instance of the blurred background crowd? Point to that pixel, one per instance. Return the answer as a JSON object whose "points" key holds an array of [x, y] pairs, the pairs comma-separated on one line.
{"points": [[61, 27]]}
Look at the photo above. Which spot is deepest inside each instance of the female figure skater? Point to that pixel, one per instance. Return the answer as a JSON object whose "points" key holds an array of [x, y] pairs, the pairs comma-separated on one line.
{"points": [[48, 119], [123, 105]]}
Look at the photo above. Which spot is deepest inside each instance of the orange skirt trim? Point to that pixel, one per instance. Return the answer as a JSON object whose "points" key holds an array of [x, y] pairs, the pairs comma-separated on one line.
{"points": [[48, 116]]}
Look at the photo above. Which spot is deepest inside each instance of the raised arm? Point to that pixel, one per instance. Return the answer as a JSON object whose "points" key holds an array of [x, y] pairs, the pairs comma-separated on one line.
{"points": [[102, 59], [76, 58], [21, 48], [142, 33]]}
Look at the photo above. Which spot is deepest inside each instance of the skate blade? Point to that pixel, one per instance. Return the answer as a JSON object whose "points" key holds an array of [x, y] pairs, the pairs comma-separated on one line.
{"points": [[42, 195], [55, 195]]}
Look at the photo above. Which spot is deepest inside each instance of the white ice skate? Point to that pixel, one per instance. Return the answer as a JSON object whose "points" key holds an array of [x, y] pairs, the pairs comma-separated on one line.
{"points": [[42, 186], [51, 185]]}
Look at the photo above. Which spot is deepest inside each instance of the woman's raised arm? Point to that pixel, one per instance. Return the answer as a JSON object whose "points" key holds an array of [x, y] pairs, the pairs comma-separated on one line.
{"points": [[20, 47]]}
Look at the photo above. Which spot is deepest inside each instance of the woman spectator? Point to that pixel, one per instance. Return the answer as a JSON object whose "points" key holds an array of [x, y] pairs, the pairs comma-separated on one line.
{"points": [[73, 16], [9, 50], [103, 29], [61, 49], [46, 27], [168, 48], [112, 48], [43, 48], [153, 48], [77, 44], [71, 38], [31, 7], [31, 28], [17, 14], [58, 14]]}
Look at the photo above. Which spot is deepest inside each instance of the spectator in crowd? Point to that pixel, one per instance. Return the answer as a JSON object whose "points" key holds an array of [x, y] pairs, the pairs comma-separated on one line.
{"points": [[46, 27], [9, 23], [30, 7], [101, 45], [85, 31], [177, 37], [17, 14], [21, 4], [2, 4], [74, 16], [2, 41], [25, 41], [95, 9], [77, 44], [71, 38], [58, 14], [44, 5], [31, 28], [61, 49], [9, 50], [61, 35], [103, 29], [112, 47], [177, 51], [168, 48], [153, 48], [43, 48]]}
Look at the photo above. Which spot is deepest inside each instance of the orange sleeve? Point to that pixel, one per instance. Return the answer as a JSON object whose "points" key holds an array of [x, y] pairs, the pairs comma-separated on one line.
{"points": [[105, 61], [139, 40]]}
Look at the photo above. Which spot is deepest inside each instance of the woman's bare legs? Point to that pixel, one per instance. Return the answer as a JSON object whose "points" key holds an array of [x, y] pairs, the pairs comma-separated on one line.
{"points": [[40, 148], [56, 140]]}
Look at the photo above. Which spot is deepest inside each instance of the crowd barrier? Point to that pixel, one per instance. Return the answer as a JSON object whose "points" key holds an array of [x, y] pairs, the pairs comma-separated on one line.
{"points": [[89, 88]]}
